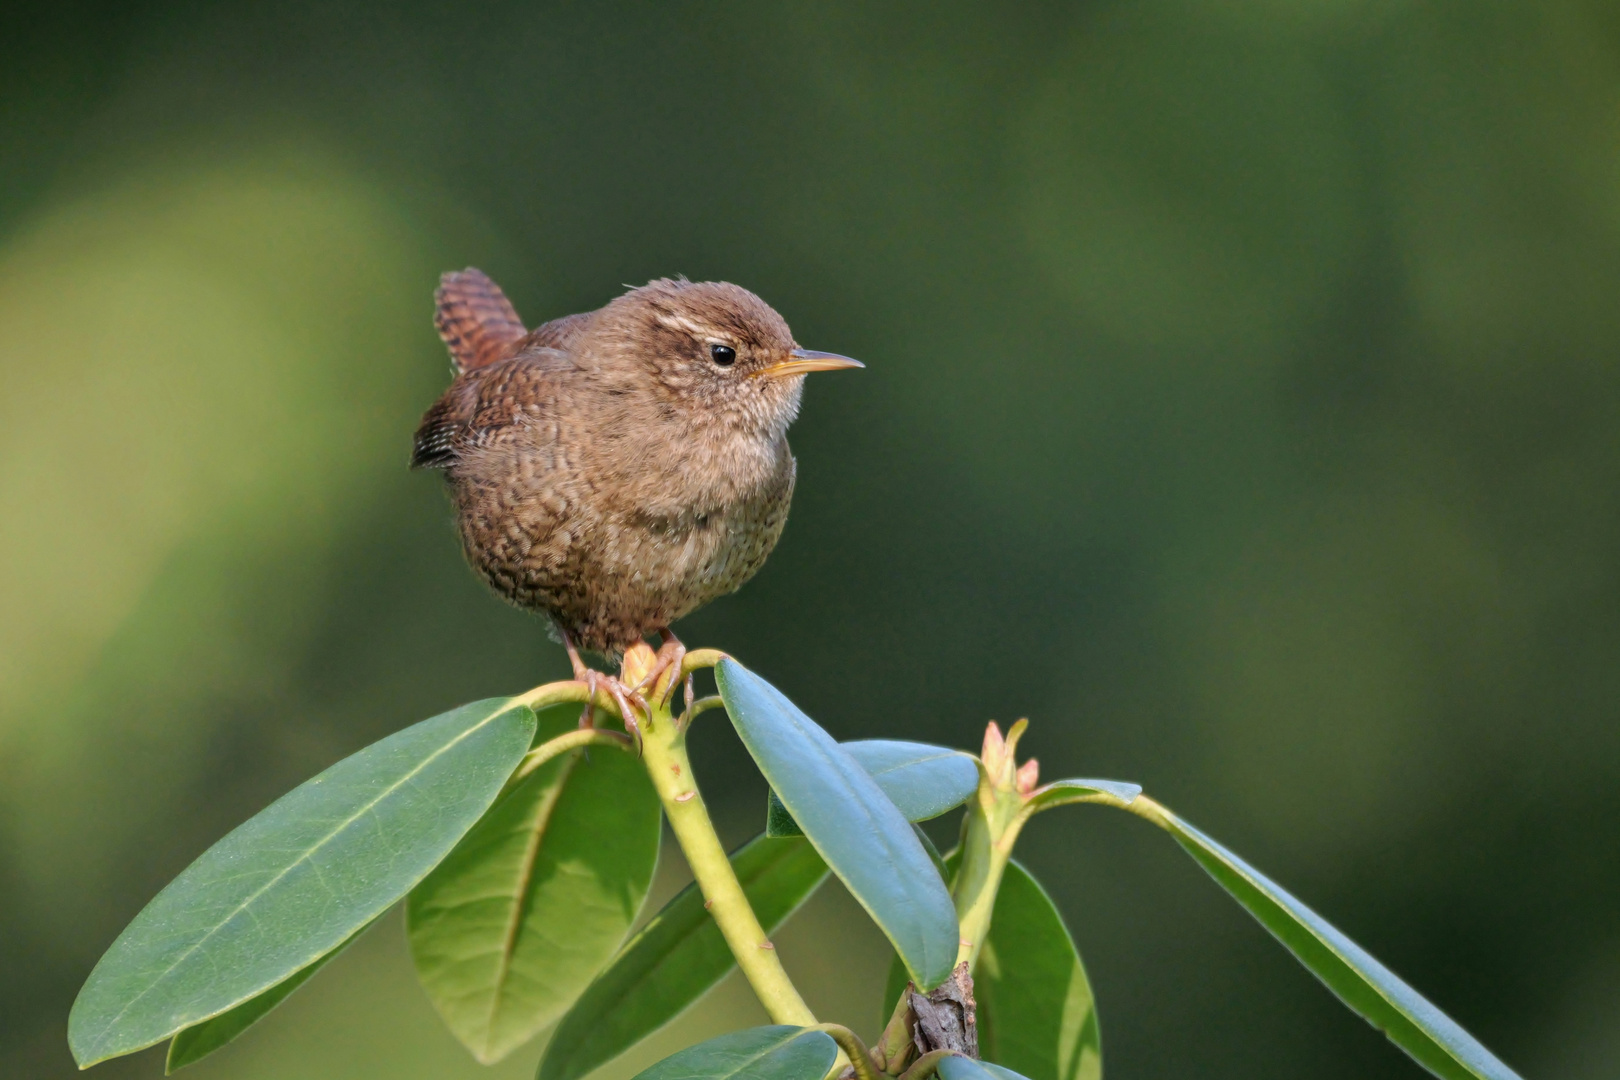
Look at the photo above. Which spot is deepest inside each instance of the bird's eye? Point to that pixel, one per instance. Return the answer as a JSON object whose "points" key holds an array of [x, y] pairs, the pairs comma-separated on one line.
{"points": [[724, 355]]}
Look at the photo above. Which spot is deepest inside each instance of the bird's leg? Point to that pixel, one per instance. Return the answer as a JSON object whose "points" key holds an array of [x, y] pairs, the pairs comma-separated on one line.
{"points": [[617, 688], [585, 674], [593, 680], [670, 654]]}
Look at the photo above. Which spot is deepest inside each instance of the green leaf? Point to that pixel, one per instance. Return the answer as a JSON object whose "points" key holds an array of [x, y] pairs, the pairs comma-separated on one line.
{"points": [[1064, 792], [1035, 1007], [295, 881], [198, 1041], [779, 824], [933, 854], [957, 1067], [762, 1053], [676, 958], [864, 838], [1369, 988], [1036, 1011], [922, 781], [1001, 1072], [514, 923]]}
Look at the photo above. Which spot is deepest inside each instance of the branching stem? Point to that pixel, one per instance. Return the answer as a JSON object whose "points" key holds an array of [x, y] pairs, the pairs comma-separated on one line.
{"points": [[995, 817], [700, 658], [926, 1065], [698, 708], [564, 743], [860, 1058], [664, 754], [564, 692]]}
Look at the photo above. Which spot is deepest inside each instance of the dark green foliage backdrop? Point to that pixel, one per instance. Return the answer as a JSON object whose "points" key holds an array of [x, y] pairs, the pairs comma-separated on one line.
{"points": [[1243, 407]]}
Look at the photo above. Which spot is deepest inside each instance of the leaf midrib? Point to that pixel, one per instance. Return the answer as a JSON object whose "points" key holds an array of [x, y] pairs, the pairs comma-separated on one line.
{"points": [[531, 856], [765, 1053], [901, 766]]}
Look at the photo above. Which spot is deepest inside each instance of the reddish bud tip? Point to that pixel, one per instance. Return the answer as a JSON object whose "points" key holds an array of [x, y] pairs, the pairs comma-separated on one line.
{"points": [[1029, 774], [994, 747]]}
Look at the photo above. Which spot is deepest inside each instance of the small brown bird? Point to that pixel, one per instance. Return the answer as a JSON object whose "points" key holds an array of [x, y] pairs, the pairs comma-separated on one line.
{"points": [[619, 468]]}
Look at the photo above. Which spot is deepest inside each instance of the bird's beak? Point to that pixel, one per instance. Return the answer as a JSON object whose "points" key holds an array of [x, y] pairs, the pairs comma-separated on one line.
{"points": [[803, 361]]}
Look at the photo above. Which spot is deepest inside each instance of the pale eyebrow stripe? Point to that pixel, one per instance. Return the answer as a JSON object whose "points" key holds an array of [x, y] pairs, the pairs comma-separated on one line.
{"points": [[697, 330]]}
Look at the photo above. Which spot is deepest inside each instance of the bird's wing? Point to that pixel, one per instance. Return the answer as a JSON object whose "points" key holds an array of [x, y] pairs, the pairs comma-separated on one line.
{"points": [[475, 319], [485, 406], [558, 333]]}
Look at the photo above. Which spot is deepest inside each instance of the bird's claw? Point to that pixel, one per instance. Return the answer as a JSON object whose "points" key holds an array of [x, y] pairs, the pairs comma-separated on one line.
{"points": [[587, 719], [671, 655], [622, 695]]}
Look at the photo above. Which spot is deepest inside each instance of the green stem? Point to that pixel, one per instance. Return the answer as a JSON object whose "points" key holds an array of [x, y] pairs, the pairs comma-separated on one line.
{"points": [[561, 693], [664, 753], [1149, 810], [995, 816], [993, 823], [698, 708], [564, 743], [926, 1065], [860, 1058]]}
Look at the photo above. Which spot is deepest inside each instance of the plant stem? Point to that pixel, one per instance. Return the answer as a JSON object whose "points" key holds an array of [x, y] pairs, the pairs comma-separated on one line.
{"points": [[985, 850], [995, 817], [860, 1058], [564, 743], [698, 708], [926, 1065], [664, 752], [1149, 810], [561, 693]]}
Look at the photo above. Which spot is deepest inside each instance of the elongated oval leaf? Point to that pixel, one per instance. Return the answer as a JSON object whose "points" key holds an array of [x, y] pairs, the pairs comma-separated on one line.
{"points": [[515, 922], [1000, 1072], [933, 854], [962, 1068], [922, 781], [198, 1041], [1369, 988], [1035, 1007], [677, 958], [762, 1053], [1036, 1010], [867, 842], [288, 886]]}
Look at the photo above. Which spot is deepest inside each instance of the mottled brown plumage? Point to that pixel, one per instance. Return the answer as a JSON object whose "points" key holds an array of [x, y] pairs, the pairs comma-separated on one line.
{"points": [[619, 468]]}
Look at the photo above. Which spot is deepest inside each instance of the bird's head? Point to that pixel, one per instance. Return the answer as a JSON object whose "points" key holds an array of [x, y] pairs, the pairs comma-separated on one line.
{"points": [[710, 350]]}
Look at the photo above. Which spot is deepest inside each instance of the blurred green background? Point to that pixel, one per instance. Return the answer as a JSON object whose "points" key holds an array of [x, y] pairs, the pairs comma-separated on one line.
{"points": [[1243, 408]]}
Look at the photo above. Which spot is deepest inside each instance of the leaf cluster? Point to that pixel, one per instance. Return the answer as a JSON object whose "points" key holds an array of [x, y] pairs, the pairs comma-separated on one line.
{"points": [[523, 845]]}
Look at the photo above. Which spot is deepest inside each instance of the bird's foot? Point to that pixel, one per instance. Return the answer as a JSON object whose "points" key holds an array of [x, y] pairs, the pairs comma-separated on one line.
{"points": [[622, 697], [586, 674], [669, 658], [621, 694]]}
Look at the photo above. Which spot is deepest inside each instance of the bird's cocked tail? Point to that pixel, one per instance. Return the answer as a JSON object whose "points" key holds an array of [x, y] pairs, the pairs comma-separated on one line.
{"points": [[475, 319]]}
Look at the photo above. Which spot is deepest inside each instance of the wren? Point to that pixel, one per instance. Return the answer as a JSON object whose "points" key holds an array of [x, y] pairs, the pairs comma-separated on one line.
{"points": [[617, 469]]}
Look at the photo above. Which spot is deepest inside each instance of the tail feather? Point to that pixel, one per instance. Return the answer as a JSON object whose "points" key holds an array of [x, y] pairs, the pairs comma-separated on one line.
{"points": [[475, 319]]}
